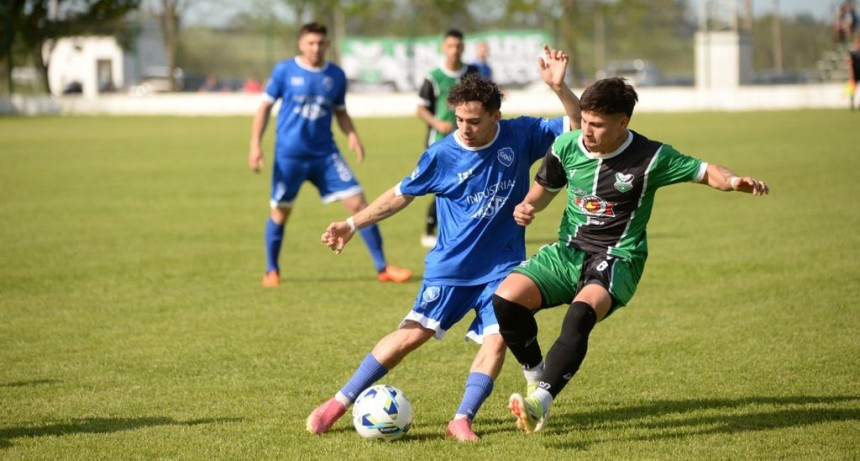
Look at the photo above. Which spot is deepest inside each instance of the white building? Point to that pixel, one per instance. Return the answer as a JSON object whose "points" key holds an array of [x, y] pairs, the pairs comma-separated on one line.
{"points": [[97, 64], [91, 64]]}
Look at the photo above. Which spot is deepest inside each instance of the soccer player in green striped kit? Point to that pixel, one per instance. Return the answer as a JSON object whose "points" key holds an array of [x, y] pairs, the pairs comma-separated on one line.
{"points": [[610, 174]]}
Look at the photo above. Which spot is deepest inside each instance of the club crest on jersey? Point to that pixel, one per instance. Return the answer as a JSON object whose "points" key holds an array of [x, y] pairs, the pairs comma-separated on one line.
{"points": [[593, 205], [506, 156], [623, 182], [327, 83], [430, 294]]}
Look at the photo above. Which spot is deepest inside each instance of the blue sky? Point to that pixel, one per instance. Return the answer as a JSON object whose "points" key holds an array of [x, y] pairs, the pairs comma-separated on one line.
{"points": [[820, 9]]}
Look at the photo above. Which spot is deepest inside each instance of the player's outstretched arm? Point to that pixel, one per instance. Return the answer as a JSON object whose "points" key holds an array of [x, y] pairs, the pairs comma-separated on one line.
{"points": [[338, 233], [430, 119], [721, 178], [258, 127], [536, 200], [553, 68]]}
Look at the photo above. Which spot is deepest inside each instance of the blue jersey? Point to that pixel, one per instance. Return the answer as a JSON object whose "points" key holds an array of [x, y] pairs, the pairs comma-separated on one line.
{"points": [[308, 97], [476, 192]]}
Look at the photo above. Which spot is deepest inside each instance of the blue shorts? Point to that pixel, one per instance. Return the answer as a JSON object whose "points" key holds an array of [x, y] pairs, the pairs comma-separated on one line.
{"points": [[439, 307], [330, 174]]}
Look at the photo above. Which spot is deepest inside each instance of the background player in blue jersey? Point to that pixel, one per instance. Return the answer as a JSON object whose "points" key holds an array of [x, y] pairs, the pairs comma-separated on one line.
{"points": [[482, 51], [311, 91], [610, 175], [478, 173]]}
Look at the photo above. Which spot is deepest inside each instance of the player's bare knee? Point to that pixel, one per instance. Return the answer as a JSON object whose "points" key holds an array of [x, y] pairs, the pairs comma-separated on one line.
{"points": [[520, 289], [279, 215]]}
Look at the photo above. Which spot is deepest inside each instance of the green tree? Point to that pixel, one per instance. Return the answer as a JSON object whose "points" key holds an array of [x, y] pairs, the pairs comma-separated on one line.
{"points": [[803, 39]]}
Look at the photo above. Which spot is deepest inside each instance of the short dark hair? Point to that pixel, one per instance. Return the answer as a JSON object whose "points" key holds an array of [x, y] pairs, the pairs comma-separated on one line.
{"points": [[313, 28], [609, 96], [454, 33], [473, 87]]}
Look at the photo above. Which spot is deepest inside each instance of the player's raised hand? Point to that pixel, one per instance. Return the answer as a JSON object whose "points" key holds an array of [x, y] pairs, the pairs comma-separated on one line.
{"points": [[553, 66], [255, 159], [337, 235], [524, 214]]}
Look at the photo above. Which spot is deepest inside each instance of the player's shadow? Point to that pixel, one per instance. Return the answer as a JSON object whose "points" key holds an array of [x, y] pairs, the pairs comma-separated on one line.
{"points": [[340, 278], [671, 419], [30, 383], [98, 426]]}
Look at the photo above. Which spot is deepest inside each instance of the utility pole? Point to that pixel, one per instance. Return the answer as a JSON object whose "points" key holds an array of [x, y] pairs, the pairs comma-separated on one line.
{"points": [[776, 37], [748, 16], [599, 38]]}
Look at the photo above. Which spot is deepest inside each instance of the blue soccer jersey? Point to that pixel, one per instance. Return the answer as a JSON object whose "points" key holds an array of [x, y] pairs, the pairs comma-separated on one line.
{"points": [[476, 192], [308, 97]]}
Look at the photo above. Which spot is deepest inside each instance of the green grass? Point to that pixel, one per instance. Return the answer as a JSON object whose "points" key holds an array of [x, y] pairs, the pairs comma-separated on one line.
{"points": [[134, 327]]}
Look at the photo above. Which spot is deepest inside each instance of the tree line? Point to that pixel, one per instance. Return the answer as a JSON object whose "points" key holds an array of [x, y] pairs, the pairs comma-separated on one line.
{"points": [[591, 31]]}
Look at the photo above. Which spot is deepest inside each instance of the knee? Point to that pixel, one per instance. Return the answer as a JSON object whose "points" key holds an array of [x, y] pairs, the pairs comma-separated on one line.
{"points": [[494, 345], [579, 319], [279, 215], [413, 336], [507, 311]]}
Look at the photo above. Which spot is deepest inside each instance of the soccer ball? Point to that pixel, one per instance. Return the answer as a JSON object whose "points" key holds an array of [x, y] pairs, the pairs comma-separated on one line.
{"points": [[382, 412]]}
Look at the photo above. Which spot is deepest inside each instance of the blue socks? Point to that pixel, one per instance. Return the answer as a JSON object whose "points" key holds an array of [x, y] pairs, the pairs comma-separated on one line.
{"points": [[274, 237], [368, 373], [373, 239], [478, 388]]}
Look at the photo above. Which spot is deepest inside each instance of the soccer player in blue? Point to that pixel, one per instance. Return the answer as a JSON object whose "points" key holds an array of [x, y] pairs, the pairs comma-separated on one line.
{"points": [[478, 174], [481, 52], [311, 90]]}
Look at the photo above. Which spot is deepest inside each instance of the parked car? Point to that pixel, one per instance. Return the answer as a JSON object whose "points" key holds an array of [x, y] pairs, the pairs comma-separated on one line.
{"points": [[155, 80], [637, 71], [782, 77]]}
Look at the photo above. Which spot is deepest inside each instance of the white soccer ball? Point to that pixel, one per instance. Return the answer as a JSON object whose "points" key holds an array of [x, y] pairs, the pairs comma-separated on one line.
{"points": [[382, 412]]}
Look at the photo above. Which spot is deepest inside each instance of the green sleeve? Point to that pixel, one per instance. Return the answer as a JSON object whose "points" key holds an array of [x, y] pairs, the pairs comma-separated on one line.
{"points": [[671, 167]]}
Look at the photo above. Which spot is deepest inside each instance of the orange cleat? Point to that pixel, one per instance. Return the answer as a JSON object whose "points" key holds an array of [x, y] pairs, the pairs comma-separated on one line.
{"points": [[394, 274], [271, 279], [461, 429]]}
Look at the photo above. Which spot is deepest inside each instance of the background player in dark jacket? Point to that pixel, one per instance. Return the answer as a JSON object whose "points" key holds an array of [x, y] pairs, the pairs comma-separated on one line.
{"points": [[433, 107]]}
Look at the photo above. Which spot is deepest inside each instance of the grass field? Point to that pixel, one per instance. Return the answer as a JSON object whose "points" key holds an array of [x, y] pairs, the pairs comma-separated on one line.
{"points": [[134, 325]]}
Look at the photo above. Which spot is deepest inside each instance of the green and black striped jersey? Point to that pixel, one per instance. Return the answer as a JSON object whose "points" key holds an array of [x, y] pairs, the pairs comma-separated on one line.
{"points": [[433, 95], [610, 197]]}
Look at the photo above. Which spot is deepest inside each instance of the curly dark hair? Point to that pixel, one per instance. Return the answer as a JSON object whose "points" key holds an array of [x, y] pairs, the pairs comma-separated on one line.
{"points": [[609, 96], [473, 87]]}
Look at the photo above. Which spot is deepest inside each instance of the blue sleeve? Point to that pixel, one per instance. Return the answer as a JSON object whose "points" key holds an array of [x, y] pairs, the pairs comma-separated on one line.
{"points": [[275, 84], [423, 180], [544, 133], [340, 98], [557, 125]]}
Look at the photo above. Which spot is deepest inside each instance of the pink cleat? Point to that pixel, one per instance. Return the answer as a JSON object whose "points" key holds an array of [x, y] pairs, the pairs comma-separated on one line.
{"points": [[461, 429], [324, 417]]}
